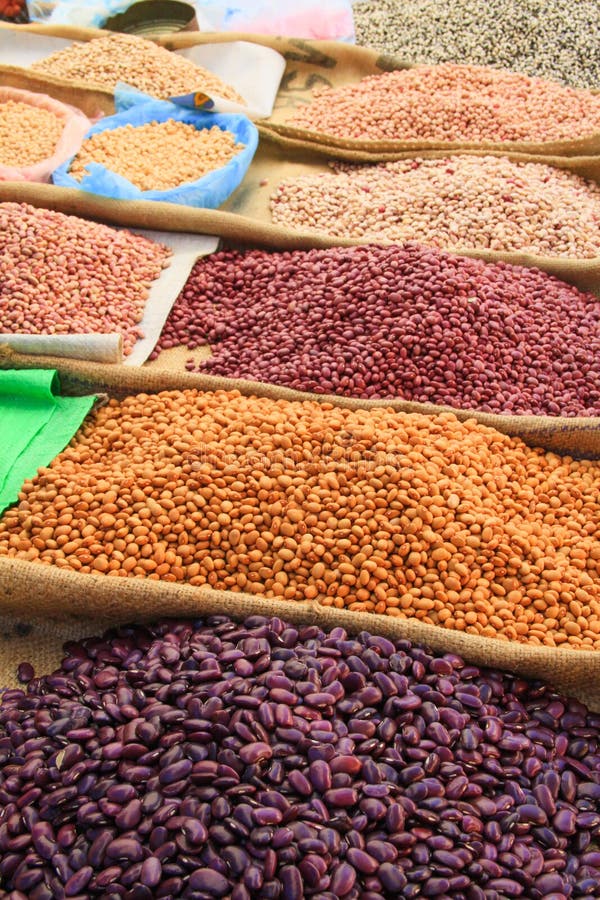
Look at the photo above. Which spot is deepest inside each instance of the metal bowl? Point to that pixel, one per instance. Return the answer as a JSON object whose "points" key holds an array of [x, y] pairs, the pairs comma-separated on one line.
{"points": [[153, 17]]}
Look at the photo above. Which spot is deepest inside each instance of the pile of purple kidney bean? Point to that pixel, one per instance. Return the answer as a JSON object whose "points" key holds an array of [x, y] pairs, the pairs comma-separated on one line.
{"points": [[264, 760], [400, 321]]}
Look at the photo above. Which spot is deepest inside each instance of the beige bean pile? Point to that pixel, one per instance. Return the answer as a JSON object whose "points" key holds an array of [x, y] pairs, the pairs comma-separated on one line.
{"points": [[452, 102], [158, 155], [461, 202], [63, 275], [135, 61], [28, 134], [414, 516]]}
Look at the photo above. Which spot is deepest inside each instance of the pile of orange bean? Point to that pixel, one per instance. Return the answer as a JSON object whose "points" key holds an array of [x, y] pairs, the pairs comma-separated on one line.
{"points": [[60, 274], [28, 134], [456, 203], [157, 156], [452, 102], [143, 64], [415, 516]]}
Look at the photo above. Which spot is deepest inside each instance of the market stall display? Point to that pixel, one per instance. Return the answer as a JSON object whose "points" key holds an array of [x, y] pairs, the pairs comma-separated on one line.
{"points": [[378, 478]]}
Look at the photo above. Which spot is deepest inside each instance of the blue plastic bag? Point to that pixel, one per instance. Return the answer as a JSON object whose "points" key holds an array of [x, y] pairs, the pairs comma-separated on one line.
{"points": [[136, 108]]}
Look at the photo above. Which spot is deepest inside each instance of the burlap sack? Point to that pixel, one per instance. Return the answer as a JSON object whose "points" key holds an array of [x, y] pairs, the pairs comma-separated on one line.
{"points": [[311, 64], [32, 590]]}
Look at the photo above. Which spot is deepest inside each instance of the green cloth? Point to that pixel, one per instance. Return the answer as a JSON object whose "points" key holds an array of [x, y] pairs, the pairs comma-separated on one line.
{"points": [[35, 425]]}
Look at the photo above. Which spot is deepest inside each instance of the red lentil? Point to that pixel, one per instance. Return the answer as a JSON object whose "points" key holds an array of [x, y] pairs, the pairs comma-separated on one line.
{"points": [[28, 134], [158, 155]]}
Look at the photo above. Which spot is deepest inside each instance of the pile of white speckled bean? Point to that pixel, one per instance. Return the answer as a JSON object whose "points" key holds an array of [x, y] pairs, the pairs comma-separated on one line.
{"points": [[460, 202], [452, 102]]}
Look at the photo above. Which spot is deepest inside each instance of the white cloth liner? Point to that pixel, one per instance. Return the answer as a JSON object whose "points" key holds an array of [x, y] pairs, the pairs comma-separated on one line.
{"points": [[252, 70], [108, 348], [187, 248], [101, 348]]}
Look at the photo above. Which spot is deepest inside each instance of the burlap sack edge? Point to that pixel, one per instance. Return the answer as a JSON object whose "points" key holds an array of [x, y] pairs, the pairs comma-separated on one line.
{"points": [[63, 594], [577, 435], [362, 150]]}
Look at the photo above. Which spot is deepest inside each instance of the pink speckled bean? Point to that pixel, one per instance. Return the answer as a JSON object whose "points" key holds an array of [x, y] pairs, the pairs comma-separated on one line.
{"points": [[452, 102], [61, 274]]}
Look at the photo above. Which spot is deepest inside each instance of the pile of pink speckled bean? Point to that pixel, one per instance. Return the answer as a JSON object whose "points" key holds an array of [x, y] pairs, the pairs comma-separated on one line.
{"points": [[61, 274], [452, 102]]}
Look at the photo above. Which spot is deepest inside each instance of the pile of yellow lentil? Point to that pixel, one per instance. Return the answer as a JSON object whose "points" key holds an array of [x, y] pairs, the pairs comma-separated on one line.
{"points": [[28, 134], [413, 516], [157, 156], [105, 61]]}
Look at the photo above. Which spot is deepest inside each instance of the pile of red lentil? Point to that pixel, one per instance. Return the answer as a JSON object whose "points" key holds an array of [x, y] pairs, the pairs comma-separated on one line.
{"points": [[251, 758]]}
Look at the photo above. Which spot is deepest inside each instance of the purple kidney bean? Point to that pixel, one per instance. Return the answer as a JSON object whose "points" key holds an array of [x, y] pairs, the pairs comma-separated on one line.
{"points": [[441, 800]]}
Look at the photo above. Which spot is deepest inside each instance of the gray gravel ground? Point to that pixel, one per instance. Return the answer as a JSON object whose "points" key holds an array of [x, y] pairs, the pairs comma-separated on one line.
{"points": [[554, 39]]}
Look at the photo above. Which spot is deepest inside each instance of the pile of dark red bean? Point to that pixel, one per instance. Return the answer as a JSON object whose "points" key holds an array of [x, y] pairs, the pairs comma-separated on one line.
{"points": [[401, 321], [263, 760]]}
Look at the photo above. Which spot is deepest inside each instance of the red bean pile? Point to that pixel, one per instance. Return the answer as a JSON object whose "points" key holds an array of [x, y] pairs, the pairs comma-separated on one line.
{"points": [[61, 274], [452, 102], [261, 760], [395, 322]]}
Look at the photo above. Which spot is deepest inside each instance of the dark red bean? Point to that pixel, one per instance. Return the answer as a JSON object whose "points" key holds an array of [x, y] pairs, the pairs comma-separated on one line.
{"points": [[362, 861], [291, 882], [25, 672], [78, 881], [209, 882], [404, 333], [343, 879], [127, 849]]}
